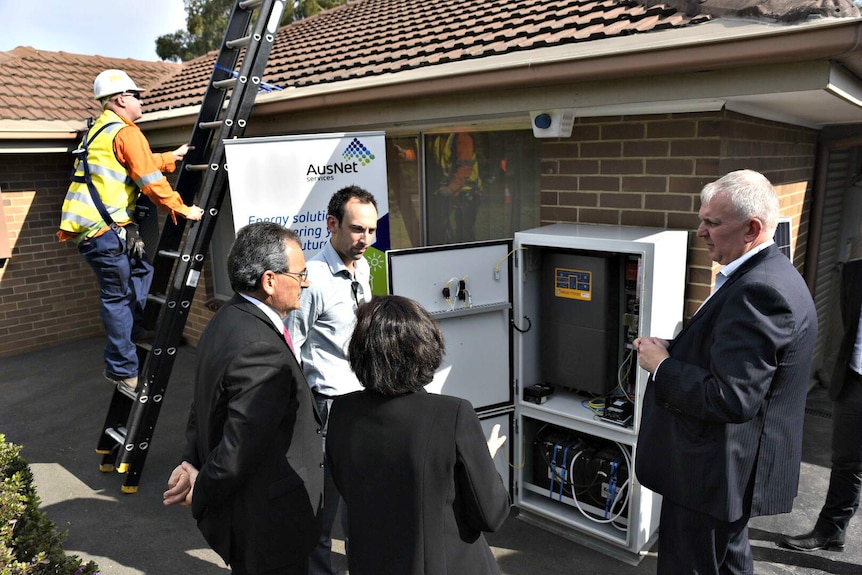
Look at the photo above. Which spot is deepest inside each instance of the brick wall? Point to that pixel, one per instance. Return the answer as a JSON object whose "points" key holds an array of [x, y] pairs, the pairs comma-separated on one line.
{"points": [[48, 294], [203, 305], [633, 170], [649, 170]]}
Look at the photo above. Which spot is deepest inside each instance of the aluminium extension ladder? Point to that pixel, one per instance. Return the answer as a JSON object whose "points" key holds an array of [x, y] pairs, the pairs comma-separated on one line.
{"points": [[128, 429]]}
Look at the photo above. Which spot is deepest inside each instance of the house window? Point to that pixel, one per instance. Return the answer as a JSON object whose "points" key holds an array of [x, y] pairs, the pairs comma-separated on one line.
{"points": [[442, 198], [469, 186], [782, 237]]}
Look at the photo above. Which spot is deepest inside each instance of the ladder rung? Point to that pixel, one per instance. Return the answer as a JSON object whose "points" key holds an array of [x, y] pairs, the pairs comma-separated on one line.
{"points": [[158, 298], [238, 42], [229, 97], [225, 84], [118, 435]]}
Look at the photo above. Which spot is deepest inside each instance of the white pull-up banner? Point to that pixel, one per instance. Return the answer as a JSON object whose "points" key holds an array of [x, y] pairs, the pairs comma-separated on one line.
{"points": [[289, 180]]}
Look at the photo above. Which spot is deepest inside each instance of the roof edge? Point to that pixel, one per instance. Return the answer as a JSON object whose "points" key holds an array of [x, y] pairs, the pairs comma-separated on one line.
{"points": [[701, 48], [713, 45], [41, 129]]}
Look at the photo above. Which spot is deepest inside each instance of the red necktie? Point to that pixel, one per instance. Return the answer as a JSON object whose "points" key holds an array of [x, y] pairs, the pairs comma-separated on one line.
{"points": [[287, 337]]}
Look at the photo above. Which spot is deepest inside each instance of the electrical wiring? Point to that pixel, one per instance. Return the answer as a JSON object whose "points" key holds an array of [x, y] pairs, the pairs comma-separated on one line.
{"points": [[456, 289], [450, 294], [468, 299], [502, 259], [555, 463], [552, 469], [596, 404], [523, 457], [623, 490], [554, 474], [622, 376], [561, 475]]}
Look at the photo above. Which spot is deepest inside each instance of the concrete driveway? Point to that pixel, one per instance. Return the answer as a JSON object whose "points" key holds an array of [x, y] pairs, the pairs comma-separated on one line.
{"points": [[53, 402]]}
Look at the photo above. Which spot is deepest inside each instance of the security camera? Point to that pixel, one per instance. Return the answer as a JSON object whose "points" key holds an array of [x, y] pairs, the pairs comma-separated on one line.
{"points": [[553, 123], [542, 121]]}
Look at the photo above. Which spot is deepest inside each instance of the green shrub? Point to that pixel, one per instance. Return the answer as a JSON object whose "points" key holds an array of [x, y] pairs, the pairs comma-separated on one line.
{"points": [[29, 542]]}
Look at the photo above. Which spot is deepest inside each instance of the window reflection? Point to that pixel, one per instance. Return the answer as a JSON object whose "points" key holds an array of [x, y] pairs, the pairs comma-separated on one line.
{"points": [[479, 186], [454, 187], [402, 170]]}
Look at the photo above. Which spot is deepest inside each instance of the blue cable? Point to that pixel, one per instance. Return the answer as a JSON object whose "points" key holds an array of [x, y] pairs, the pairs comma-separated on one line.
{"points": [[553, 470], [263, 87], [565, 471], [612, 487]]}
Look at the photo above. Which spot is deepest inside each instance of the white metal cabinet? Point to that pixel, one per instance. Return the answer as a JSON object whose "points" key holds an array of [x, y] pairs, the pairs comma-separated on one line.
{"points": [[494, 341], [661, 262]]}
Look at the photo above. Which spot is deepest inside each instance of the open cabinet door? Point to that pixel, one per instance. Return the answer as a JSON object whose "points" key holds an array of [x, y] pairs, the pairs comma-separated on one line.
{"points": [[467, 288], [580, 294]]}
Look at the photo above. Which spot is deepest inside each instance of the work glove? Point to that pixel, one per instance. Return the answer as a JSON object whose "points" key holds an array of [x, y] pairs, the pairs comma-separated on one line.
{"points": [[134, 242]]}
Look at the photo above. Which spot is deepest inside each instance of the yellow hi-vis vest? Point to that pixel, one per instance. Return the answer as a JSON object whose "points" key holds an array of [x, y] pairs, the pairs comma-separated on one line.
{"points": [[445, 150], [112, 181]]}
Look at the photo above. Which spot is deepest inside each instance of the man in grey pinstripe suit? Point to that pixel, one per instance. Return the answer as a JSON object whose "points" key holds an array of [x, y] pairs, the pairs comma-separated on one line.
{"points": [[721, 430]]}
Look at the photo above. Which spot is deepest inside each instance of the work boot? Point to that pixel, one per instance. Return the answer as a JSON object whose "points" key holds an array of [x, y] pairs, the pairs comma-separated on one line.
{"points": [[128, 383]]}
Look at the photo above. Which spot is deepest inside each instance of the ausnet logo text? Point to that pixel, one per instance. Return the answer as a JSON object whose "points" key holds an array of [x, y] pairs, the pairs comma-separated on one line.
{"points": [[356, 155]]}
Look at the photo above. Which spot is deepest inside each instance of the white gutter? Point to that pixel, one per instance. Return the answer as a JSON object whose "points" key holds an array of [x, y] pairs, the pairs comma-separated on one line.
{"points": [[39, 136]]}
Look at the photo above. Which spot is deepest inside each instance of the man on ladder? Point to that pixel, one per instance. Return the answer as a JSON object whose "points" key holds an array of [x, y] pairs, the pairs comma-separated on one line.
{"points": [[114, 164]]}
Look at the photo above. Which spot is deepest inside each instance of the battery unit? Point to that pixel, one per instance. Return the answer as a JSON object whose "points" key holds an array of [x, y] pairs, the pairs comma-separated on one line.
{"points": [[581, 320], [570, 465]]}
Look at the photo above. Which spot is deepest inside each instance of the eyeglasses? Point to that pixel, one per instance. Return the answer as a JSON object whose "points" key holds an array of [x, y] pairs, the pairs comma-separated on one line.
{"points": [[301, 276], [134, 95]]}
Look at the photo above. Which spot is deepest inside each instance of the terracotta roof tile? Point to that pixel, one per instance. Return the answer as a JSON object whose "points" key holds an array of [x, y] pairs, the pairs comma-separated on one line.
{"points": [[361, 39], [375, 37], [40, 85]]}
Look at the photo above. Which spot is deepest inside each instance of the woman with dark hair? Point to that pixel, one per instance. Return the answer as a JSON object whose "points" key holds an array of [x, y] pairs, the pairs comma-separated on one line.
{"points": [[413, 467]]}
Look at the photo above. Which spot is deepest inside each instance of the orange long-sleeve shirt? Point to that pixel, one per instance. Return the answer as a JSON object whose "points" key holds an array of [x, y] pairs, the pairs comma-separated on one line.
{"points": [[133, 151]]}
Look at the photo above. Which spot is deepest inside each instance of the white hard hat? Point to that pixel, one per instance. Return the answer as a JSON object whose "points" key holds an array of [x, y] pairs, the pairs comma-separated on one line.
{"points": [[112, 82]]}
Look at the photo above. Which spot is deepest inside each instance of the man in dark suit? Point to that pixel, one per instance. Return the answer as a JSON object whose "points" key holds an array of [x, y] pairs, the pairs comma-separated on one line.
{"points": [[253, 432], [721, 430], [845, 390]]}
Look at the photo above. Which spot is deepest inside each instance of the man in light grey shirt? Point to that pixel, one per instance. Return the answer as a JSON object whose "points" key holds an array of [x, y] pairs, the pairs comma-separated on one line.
{"points": [[321, 328]]}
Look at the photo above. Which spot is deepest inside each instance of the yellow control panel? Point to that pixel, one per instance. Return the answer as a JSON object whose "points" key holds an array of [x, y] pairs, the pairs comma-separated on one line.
{"points": [[573, 284]]}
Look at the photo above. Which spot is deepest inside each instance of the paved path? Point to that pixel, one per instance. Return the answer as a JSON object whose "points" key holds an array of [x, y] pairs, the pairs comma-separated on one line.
{"points": [[53, 402]]}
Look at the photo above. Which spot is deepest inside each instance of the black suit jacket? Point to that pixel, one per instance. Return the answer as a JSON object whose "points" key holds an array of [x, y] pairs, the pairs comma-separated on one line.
{"points": [[724, 412], [851, 302], [254, 434], [419, 483]]}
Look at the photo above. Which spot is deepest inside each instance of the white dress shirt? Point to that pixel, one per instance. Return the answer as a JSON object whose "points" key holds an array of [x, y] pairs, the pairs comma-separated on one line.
{"points": [[322, 327]]}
